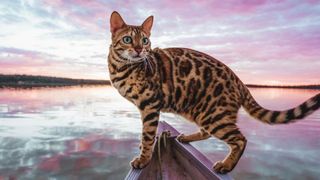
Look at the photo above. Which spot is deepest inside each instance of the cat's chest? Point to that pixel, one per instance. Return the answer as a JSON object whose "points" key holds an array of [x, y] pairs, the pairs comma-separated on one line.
{"points": [[121, 85], [121, 88], [129, 86]]}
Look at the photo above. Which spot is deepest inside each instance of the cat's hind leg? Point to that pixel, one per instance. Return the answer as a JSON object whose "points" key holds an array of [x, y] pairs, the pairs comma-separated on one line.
{"points": [[201, 135], [226, 130]]}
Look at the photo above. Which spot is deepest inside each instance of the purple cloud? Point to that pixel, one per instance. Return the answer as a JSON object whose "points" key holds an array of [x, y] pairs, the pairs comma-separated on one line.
{"points": [[240, 33]]}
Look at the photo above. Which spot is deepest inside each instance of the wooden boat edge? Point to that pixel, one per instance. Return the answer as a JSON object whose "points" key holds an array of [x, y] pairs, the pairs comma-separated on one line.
{"points": [[201, 162]]}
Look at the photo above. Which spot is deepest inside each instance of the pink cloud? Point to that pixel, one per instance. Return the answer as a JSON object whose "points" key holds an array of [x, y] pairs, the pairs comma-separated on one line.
{"points": [[254, 31], [18, 61], [84, 14]]}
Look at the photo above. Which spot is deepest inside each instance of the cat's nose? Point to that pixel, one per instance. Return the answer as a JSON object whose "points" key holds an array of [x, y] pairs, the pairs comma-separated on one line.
{"points": [[138, 50]]}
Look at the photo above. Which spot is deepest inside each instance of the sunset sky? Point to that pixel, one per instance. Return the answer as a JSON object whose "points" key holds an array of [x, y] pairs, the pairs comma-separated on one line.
{"points": [[263, 41]]}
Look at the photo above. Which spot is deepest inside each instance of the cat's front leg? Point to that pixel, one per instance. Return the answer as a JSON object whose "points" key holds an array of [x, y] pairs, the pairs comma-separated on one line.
{"points": [[150, 119]]}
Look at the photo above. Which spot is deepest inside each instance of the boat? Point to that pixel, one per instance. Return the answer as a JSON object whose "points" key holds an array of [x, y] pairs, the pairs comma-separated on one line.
{"points": [[172, 160]]}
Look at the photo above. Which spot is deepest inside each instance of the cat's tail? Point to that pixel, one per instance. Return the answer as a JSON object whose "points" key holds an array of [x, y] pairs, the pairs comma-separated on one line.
{"points": [[279, 117]]}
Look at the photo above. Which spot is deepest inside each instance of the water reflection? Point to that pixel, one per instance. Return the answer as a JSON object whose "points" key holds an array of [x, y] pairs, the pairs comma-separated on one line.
{"points": [[278, 151], [92, 133]]}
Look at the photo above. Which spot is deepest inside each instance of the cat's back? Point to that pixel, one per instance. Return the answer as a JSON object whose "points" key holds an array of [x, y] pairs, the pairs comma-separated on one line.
{"points": [[198, 58], [187, 62]]}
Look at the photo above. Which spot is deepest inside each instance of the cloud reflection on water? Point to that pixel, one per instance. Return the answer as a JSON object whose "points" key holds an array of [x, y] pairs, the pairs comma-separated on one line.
{"points": [[92, 132]]}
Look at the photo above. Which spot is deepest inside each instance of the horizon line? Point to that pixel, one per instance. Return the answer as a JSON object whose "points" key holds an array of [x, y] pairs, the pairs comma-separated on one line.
{"points": [[247, 84]]}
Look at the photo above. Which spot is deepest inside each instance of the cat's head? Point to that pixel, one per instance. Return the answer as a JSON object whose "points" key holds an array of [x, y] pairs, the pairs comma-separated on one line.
{"points": [[130, 43]]}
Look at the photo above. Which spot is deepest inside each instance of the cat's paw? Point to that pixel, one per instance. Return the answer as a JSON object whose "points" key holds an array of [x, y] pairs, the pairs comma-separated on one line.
{"points": [[222, 167], [139, 162], [182, 138]]}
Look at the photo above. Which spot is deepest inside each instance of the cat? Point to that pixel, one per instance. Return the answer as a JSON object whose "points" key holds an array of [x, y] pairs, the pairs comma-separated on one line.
{"points": [[188, 83]]}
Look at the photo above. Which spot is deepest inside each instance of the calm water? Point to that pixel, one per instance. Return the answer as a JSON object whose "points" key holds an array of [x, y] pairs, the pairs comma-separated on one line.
{"points": [[93, 133]]}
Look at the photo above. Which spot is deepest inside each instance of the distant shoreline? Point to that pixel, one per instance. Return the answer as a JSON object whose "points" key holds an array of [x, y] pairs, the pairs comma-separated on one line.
{"points": [[284, 86], [30, 81]]}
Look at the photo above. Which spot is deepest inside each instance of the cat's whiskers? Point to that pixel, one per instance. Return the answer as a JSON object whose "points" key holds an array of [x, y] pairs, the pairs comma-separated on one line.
{"points": [[132, 60], [149, 63], [145, 65]]}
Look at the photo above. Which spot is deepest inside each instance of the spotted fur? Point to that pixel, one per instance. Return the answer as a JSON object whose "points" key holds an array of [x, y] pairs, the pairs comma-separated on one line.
{"points": [[189, 83]]}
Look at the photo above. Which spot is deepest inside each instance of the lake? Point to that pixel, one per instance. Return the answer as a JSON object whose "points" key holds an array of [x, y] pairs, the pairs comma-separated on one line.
{"points": [[93, 133]]}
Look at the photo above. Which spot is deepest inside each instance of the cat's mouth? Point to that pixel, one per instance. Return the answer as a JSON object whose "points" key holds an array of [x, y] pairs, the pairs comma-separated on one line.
{"points": [[133, 57]]}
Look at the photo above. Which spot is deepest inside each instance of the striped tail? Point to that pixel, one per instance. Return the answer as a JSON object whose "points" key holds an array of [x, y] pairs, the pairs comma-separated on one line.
{"points": [[279, 117]]}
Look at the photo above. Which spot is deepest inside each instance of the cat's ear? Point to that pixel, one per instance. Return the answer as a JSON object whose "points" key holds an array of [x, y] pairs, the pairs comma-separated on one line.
{"points": [[147, 25], [116, 22]]}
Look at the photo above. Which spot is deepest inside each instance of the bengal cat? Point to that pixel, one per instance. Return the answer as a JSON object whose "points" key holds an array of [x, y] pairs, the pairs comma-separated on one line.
{"points": [[189, 83]]}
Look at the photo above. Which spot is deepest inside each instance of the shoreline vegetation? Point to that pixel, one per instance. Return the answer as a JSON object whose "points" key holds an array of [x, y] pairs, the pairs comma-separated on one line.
{"points": [[315, 86], [30, 81]]}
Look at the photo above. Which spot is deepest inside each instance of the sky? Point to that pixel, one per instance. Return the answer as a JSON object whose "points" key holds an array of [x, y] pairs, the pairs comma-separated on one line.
{"points": [[275, 42]]}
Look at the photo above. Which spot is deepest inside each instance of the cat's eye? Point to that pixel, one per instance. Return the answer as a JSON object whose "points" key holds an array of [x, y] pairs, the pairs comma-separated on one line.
{"points": [[127, 39], [145, 41]]}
